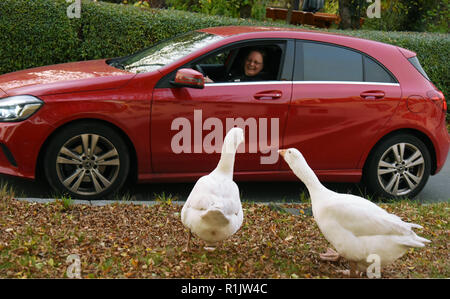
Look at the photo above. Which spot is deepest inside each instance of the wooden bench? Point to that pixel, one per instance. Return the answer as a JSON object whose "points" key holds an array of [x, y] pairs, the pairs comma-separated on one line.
{"points": [[319, 19]]}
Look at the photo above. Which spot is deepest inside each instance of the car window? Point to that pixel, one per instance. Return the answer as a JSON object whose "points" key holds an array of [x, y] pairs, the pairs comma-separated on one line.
{"points": [[228, 65], [165, 52], [373, 72], [225, 65], [316, 61], [416, 63], [219, 58], [323, 62]]}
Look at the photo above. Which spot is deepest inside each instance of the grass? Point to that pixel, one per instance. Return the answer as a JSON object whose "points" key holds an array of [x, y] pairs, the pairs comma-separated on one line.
{"points": [[65, 203], [6, 190], [135, 241]]}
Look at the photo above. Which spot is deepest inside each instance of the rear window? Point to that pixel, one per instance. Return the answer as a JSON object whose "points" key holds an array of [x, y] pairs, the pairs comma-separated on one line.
{"points": [[328, 63], [373, 72], [415, 62], [325, 62]]}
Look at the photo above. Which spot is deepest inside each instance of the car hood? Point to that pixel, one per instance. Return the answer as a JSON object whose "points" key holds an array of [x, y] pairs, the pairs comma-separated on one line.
{"points": [[64, 78]]}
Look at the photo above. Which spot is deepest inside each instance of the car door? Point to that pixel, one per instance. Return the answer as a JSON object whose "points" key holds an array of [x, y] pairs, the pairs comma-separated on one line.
{"points": [[188, 125], [341, 98]]}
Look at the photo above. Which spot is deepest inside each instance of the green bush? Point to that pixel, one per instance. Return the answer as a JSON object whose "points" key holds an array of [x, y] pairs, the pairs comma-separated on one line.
{"points": [[412, 15], [255, 9], [36, 33]]}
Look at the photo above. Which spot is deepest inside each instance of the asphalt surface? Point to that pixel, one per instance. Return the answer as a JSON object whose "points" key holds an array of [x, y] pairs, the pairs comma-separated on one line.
{"points": [[436, 190]]}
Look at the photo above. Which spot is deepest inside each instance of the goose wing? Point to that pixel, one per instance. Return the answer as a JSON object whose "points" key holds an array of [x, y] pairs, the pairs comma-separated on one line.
{"points": [[364, 218], [210, 192]]}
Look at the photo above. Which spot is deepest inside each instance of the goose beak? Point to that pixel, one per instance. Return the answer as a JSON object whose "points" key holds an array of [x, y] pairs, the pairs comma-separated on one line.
{"points": [[282, 152]]}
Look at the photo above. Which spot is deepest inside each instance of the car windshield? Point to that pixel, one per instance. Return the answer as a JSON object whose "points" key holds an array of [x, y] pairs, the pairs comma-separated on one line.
{"points": [[165, 52]]}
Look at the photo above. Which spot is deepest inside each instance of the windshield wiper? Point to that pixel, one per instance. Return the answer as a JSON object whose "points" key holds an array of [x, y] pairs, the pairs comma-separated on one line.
{"points": [[149, 64], [118, 65]]}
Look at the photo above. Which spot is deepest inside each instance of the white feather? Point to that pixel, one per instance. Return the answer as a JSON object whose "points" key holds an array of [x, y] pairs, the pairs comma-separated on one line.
{"points": [[213, 209], [355, 226]]}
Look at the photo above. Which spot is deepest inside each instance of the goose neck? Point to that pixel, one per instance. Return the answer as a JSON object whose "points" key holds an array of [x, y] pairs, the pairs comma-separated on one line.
{"points": [[226, 163], [311, 181]]}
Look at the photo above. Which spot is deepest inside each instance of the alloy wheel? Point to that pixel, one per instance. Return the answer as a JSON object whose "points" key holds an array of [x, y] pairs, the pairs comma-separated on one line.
{"points": [[401, 169], [87, 164]]}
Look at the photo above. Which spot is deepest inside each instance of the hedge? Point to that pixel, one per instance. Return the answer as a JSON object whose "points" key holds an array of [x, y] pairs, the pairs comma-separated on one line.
{"points": [[36, 33]]}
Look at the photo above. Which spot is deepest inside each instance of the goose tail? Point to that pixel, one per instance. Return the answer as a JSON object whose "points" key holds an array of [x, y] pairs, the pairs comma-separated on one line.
{"points": [[413, 241], [215, 217], [413, 225], [423, 240]]}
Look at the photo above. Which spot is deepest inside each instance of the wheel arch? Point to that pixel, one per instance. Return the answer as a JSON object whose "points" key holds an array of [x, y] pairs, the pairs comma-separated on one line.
{"points": [[132, 175]]}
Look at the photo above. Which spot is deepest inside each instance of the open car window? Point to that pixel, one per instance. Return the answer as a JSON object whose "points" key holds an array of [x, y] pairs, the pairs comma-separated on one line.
{"points": [[228, 65], [224, 64]]}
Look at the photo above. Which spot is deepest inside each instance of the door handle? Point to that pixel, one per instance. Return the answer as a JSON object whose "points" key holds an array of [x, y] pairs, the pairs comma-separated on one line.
{"points": [[268, 95], [372, 95]]}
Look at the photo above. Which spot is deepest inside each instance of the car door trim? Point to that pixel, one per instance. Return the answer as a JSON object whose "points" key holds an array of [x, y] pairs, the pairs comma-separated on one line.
{"points": [[248, 83], [346, 82], [299, 82]]}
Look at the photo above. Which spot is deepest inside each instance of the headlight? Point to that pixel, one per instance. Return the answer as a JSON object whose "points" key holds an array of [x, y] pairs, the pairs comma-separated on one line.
{"points": [[18, 108]]}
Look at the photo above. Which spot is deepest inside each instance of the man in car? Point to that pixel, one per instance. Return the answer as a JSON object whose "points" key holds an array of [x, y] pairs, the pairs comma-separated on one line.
{"points": [[252, 68], [253, 65]]}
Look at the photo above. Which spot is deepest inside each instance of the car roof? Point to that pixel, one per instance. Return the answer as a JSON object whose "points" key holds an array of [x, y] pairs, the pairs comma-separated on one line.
{"points": [[290, 32], [235, 30]]}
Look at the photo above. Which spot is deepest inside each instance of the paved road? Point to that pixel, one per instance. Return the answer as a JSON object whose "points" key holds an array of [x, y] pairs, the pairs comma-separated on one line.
{"points": [[436, 190], [438, 186]]}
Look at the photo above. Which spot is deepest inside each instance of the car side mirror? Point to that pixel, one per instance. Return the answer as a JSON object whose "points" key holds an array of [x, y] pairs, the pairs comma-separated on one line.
{"points": [[189, 78]]}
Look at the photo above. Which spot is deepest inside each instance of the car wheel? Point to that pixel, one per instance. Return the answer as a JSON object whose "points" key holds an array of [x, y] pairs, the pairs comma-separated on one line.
{"points": [[87, 161], [398, 167]]}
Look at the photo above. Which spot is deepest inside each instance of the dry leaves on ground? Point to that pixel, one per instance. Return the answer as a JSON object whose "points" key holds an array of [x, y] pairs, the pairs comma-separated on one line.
{"points": [[135, 241]]}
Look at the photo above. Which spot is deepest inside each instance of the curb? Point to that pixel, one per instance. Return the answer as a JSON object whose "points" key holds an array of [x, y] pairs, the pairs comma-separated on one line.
{"points": [[92, 202], [99, 203]]}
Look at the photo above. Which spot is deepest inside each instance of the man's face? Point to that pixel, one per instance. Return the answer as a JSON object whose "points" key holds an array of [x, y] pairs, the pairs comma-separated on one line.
{"points": [[253, 64]]}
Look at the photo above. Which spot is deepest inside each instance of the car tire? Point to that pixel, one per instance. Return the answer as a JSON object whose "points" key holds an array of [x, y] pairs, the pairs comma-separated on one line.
{"points": [[86, 160], [398, 167]]}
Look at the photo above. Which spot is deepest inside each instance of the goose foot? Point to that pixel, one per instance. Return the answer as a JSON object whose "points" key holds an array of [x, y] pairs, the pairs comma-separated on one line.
{"points": [[330, 255], [211, 246], [188, 247]]}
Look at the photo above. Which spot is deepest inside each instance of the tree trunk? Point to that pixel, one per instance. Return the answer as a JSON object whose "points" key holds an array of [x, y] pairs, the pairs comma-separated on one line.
{"points": [[289, 14], [357, 6], [350, 13], [345, 14], [245, 11]]}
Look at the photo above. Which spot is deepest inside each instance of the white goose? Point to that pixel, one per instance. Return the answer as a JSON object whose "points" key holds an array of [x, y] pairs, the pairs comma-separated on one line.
{"points": [[213, 209], [356, 227]]}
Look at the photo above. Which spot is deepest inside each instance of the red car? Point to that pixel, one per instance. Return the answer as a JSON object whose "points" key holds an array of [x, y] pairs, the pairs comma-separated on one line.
{"points": [[357, 109]]}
